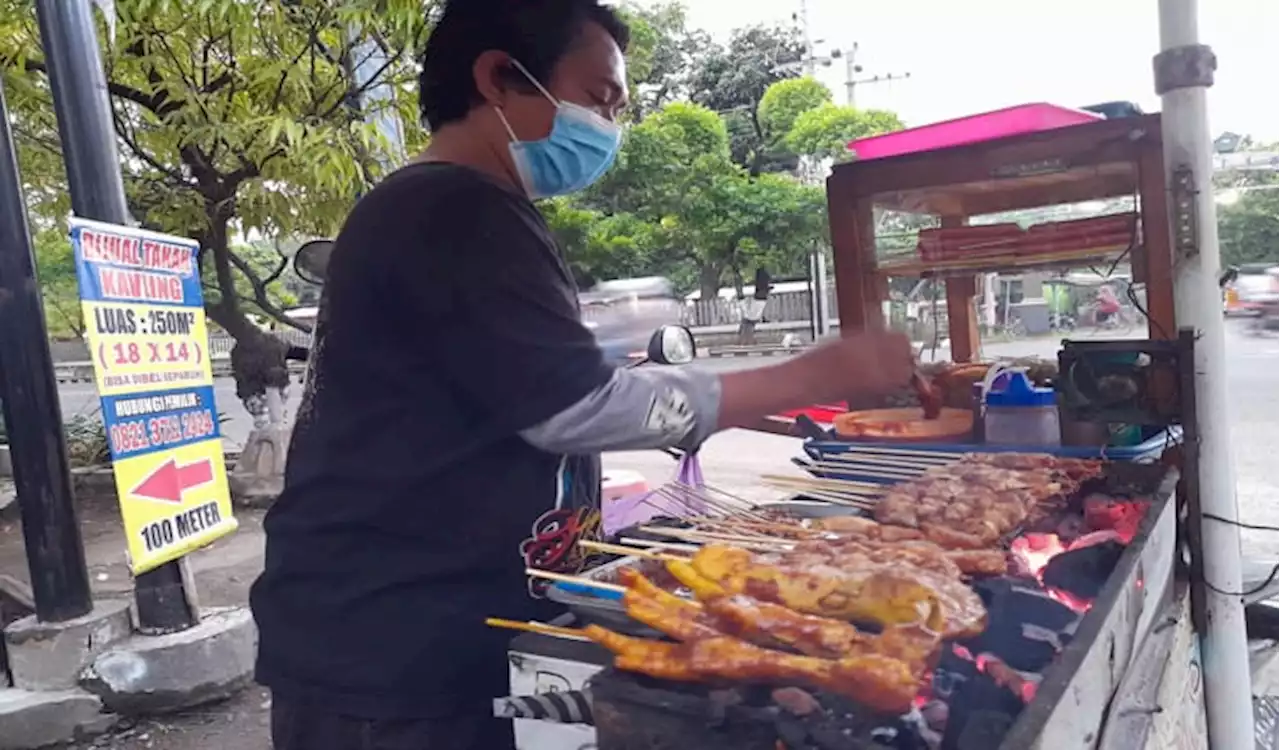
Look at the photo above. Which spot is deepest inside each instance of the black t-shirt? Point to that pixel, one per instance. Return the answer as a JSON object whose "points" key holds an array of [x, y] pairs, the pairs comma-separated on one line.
{"points": [[411, 505]]}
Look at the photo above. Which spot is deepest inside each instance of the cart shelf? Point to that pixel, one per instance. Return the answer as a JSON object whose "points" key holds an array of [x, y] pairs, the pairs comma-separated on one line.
{"points": [[969, 266]]}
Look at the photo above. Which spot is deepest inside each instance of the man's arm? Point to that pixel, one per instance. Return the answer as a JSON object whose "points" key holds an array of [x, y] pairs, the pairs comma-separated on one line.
{"points": [[512, 343]]}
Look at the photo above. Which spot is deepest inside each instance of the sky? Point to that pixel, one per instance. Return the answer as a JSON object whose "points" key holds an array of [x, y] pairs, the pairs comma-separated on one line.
{"points": [[966, 57]]}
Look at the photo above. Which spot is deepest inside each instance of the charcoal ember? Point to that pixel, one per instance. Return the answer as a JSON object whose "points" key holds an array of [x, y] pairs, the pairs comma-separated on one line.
{"points": [[1123, 516], [1082, 572], [1026, 627]]}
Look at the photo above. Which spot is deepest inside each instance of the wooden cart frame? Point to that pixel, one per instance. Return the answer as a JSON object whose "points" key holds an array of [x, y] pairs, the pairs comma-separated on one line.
{"points": [[1105, 159]]}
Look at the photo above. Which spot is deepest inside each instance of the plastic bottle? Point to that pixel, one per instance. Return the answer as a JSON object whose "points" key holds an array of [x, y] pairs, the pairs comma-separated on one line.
{"points": [[1019, 413]]}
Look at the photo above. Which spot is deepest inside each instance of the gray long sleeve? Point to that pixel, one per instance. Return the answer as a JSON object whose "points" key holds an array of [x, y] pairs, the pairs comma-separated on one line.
{"points": [[638, 409]]}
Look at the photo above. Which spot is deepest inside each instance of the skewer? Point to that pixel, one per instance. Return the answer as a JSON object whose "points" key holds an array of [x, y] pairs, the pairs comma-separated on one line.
{"points": [[854, 497], [651, 544], [618, 549], [871, 470], [575, 580], [848, 486], [888, 451], [541, 628], [694, 498], [855, 457], [714, 538], [834, 499], [831, 497]]}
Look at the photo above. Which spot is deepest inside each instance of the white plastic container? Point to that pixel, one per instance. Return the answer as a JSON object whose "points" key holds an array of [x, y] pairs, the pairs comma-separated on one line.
{"points": [[1019, 413]]}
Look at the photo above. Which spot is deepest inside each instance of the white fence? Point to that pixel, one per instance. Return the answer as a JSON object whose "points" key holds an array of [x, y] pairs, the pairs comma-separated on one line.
{"points": [[783, 307]]}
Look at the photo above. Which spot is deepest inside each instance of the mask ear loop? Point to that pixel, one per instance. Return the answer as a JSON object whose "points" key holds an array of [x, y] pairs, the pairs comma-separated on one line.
{"points": [[506, 125], [535, 82]]}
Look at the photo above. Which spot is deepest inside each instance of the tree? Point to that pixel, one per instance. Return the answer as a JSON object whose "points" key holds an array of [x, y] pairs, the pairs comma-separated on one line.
{"points": [[56, 272], [785, 101], [661, 56], [233, 118], [1249, 227], [690, 211], [732, 79], [825, 131]]}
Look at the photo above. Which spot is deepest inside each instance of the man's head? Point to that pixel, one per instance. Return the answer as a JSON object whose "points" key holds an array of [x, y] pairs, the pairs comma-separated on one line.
{"points": [[572, 47]]}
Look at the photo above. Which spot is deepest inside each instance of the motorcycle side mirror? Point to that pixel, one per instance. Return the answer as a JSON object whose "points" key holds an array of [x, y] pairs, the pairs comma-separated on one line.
{"points": [[672, 345], [311, 262]]}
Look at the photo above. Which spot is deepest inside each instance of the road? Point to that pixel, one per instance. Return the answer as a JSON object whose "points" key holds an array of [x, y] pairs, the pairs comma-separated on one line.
{"points": [[735, 459]]}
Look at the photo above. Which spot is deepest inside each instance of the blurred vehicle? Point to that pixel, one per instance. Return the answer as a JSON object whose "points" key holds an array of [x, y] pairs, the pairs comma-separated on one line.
{"points": [[1250, 289], [624, 313], [1266, 303]]}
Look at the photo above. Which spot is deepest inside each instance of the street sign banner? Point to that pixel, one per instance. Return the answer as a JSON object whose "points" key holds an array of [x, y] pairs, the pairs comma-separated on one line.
{"points": [[146, 331]]}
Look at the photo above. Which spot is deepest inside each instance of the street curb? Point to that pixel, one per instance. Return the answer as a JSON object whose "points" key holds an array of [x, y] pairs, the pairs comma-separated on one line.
{"points": [[769, 352]]}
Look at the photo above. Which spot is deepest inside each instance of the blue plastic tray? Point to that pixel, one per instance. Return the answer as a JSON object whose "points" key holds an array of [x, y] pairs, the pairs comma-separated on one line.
{"points": [[1148, 450]]}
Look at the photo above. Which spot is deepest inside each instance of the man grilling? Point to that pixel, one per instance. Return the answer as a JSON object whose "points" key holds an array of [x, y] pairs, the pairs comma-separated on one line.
{"points": [[456, 408]]}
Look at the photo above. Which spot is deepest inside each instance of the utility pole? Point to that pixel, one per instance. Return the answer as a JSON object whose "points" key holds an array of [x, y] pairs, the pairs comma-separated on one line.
{"points": [[37, 445], [1184, 71], [810, 63], [852, 69], [79, 88]]}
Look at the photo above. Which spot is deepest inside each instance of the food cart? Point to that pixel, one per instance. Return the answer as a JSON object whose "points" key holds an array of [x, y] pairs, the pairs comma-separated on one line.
{"points": [[1130, 674]]}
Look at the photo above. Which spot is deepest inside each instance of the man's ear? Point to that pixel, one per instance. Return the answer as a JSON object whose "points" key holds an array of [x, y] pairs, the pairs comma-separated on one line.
{"points": [[491, 74]]}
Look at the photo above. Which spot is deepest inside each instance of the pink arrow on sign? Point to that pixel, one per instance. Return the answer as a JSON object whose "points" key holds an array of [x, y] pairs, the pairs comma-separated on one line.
{"points": [[169, 480]]}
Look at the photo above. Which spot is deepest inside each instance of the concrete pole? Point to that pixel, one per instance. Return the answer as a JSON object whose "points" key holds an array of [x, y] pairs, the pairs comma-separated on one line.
{"points": [[1183, 73]]}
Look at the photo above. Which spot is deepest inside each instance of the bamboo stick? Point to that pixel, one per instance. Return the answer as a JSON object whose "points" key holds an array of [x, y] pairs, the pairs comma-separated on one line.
{"points": [[869, 470], [889, 451], [849, 486], [834, 499], [855, 457], [541, 628], [736, 540], [618, 549], [576, 580], [651, 544]]}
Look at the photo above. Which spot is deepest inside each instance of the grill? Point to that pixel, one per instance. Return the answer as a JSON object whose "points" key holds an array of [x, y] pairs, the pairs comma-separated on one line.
{"points": [[1042, 676]]}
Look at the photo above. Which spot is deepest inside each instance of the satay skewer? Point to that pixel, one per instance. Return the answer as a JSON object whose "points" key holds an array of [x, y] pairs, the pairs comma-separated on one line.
{"points": [[574, 580], [618, 549], [851, 486], [541, 628], [904, 462], [873, 470]]}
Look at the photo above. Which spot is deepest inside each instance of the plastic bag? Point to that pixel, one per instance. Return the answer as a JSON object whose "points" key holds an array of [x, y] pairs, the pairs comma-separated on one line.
{"points": [[641, 507]]}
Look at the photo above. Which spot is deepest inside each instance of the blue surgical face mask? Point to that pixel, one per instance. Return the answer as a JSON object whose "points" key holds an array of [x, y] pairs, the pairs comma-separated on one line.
{"points": [[581, 147]]}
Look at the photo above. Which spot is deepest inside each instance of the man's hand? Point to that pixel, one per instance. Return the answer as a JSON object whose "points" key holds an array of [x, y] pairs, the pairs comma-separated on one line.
{"points": [[871, 362]]}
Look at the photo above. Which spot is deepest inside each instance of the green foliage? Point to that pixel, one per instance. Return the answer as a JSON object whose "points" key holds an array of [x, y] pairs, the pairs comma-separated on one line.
{"points": [[56, 272], [826, 130], [785, 101], [232, 117], [732, 80], [675, 203], [86, 441], [662, 52], [1249, 227]]}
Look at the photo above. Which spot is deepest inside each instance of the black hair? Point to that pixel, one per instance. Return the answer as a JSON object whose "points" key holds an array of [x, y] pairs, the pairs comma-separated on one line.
{"points": [[535, 32]]}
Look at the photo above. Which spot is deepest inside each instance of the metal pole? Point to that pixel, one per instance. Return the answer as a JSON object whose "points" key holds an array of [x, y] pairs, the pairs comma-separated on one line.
{"points": [[850, 70], [1183, 73], [37, 446], [88, 138], [810, 63]]}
